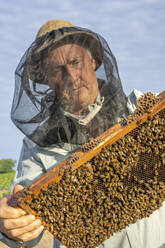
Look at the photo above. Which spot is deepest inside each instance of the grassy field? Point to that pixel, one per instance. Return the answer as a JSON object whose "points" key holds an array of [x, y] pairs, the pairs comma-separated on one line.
{"points": [[5, 182]]}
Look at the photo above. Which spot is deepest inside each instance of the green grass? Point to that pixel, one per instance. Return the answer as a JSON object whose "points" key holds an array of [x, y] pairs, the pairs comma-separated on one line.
{"points": [[5, 182]]}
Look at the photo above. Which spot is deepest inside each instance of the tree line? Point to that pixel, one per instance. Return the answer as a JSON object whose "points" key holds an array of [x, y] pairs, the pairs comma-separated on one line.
{"points": [[7, 165]]}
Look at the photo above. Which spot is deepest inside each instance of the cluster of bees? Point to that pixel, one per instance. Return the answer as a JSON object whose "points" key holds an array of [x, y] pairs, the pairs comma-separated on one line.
{"points": [[72, 159], [144, 104], [122, 184], [90, 145]]}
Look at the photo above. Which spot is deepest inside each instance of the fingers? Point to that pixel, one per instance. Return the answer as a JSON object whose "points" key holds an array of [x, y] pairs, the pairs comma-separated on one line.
{"points": [[8, 212], [15, 223], [17, 188], [24, 231], [24, 228], [31, 235], [18, 222]]}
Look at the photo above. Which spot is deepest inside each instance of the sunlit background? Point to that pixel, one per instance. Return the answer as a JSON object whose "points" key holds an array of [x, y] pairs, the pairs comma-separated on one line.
{"points": [[135, 31]]}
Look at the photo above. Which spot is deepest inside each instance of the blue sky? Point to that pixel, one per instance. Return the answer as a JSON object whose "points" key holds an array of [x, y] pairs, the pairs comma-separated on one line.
{"points": [[134, 30]]}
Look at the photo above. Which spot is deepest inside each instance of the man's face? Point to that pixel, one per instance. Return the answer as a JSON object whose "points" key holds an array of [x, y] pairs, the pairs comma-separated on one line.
{"points": [[71, 73]]}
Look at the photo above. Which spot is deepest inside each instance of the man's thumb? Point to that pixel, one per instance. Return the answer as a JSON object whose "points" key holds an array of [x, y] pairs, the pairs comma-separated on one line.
{"points": [[17, 188]]}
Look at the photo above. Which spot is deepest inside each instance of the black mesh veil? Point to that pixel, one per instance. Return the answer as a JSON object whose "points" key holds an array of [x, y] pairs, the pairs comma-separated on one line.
{"points": [[67, 88]]}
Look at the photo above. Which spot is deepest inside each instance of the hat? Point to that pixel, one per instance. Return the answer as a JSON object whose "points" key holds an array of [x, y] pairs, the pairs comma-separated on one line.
{"points": [[88, 36], [53, 25], [56, 30]]}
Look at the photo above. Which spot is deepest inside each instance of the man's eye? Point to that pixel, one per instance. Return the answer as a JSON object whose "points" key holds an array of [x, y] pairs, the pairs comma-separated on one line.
{"points": [[74, 62]]}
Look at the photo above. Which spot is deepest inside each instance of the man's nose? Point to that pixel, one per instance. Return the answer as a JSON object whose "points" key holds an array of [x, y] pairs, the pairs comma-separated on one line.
{"points": [[72, 73]]}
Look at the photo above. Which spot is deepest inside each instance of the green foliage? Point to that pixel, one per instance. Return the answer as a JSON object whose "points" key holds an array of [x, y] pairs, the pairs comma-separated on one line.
{"points": [[3, 194], [6, 179], [5, 182], [6, 165], [6, 175]]}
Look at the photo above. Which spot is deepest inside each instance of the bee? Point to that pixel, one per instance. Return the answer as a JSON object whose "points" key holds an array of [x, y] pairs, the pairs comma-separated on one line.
{"points": [[139, 122], [28, 192], [156, 173], [148, 111], [141, 181], [144, 166], [124, 122]]}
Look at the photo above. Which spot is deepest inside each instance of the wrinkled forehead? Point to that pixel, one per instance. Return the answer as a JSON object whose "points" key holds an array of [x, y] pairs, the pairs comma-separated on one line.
{"points": [[67, 52]]}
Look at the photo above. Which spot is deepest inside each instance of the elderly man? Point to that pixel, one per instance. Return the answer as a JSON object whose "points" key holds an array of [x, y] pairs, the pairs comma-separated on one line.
{"points": [[68, 91]]}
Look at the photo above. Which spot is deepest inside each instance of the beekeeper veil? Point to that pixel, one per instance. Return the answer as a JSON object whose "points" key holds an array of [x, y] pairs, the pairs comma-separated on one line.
{"points": [[67, 86]]}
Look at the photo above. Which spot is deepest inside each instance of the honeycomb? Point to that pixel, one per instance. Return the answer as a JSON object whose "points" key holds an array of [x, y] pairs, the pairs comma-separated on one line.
{"points": [[122, 183]]}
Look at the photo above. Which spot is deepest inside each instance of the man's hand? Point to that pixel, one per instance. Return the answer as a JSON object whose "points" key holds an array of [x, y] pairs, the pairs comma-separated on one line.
{"points": [[14, 222]]}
